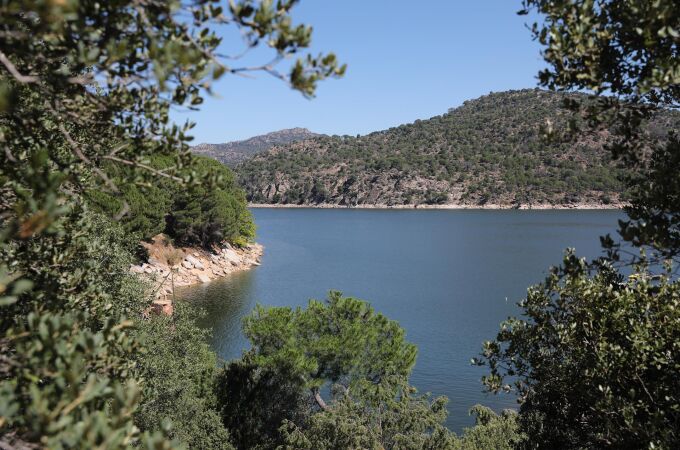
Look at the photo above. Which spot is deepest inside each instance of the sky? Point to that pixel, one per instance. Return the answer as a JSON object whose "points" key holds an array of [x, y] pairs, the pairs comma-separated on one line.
{"points": [[406, 60]]}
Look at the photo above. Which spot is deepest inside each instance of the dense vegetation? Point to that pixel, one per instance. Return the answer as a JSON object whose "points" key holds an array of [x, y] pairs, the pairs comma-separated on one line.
{"points": [[232, 153], [83, 86], [595, 356], [489, 150], [196, 214], [595, 360]]}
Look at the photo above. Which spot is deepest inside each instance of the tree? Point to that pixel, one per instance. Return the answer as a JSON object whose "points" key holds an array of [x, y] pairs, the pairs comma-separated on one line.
{"points": [[342, 342], [178, 370], [630, 50], [255, 401], [594, 360], [272, 397], [84, 84], [207, 216], [148, 206], [340, 348], [595, 356], [491, 430]]}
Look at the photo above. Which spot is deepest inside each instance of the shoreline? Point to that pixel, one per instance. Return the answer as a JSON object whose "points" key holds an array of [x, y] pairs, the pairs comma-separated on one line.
{"points": [[169, 268], [452, 206]]}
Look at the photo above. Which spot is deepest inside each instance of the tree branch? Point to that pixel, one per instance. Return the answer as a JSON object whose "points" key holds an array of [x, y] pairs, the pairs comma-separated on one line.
{"points": [[15, 72], [143, 166], [79, 153]]}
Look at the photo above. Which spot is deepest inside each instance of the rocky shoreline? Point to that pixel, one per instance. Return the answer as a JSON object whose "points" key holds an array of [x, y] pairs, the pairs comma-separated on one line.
{"points": [[491, 206], [169, 267]]}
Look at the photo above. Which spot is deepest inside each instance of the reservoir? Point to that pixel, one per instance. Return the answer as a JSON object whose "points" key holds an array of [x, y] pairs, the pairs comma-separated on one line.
{"points": [[449, 277]]}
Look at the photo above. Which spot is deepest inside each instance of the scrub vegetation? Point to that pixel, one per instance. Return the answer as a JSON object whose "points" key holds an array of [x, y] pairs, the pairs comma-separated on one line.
{"points": [[90, 164]]}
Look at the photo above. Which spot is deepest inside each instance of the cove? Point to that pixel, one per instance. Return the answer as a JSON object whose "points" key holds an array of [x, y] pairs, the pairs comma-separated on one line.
{"points": [[449, 277]]}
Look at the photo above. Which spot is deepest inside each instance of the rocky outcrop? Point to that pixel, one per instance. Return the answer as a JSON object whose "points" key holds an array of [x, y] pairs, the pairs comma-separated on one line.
{"points": [[169, 267]]}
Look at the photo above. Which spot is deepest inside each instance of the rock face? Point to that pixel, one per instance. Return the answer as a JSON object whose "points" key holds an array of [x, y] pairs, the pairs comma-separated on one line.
{"points": [[170, 266]]}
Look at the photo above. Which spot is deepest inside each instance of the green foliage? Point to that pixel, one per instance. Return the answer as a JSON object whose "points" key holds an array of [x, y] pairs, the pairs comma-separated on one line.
{"points": [[66, 371], [630, 51], [595, 357], [208, 215], [255, 402], [491, 431], [178, 370], [628, 48], [85, 87], [273, 396], [147, 208], [654, 213], [594, 360], [405, 421], [342, 342], [195, 213]]}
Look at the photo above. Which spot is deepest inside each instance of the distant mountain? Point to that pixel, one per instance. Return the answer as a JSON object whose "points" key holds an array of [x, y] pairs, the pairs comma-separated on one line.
{"points": [[488, 151], [232, 153]]}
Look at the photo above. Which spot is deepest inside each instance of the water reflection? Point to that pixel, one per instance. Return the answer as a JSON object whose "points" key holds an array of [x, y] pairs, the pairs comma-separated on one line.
{"points": [[223, 303]]}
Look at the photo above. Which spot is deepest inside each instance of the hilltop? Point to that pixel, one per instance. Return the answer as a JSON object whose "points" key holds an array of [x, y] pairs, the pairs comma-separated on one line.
{"points": [[487, 152], [232, 153]]}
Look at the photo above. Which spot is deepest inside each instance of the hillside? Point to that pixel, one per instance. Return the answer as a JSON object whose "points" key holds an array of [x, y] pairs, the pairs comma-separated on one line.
{"points": [[232, 153], [486, 152]]}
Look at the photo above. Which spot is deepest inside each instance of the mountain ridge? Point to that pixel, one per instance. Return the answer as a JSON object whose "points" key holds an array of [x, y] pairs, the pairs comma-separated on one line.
{"points": [[234, 152], [488, 151]]}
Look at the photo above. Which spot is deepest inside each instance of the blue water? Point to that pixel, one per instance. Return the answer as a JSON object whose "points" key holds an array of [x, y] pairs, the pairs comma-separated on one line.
{"points": [[448, 277]]}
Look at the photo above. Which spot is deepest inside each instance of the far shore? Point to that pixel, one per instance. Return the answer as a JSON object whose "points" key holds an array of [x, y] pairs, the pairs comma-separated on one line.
{"points": [[491, 206]]}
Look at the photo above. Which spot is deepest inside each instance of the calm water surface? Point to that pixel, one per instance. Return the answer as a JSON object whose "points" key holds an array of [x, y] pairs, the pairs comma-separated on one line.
{"points": [[448, 277]]}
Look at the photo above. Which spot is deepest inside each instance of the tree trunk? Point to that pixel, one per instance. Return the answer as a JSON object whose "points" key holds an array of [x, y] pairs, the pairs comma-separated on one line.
{"points": [[319, 400]]}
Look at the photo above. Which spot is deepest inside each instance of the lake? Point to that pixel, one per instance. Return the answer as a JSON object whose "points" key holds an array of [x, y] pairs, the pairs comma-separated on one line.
{"points": [[448, 277]]}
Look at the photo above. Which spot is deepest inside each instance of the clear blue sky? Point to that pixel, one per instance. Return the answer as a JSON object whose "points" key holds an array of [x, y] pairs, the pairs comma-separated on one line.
{"points": [[406, 60]]}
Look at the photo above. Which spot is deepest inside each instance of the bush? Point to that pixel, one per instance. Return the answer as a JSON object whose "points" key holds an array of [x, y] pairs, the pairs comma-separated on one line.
{"points": [[179, 369], [491, 431], [67, 368], [595, 361]]}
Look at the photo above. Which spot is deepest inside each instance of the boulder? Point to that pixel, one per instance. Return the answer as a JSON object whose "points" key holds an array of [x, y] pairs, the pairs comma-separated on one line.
{"points": [[162, 307], [187, 264], [232, 256], [194, 262], [203, 278]]}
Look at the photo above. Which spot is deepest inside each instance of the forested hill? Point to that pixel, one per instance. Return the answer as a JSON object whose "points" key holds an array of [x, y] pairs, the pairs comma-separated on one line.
{"points": [[486, 152], [232, 153]]}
